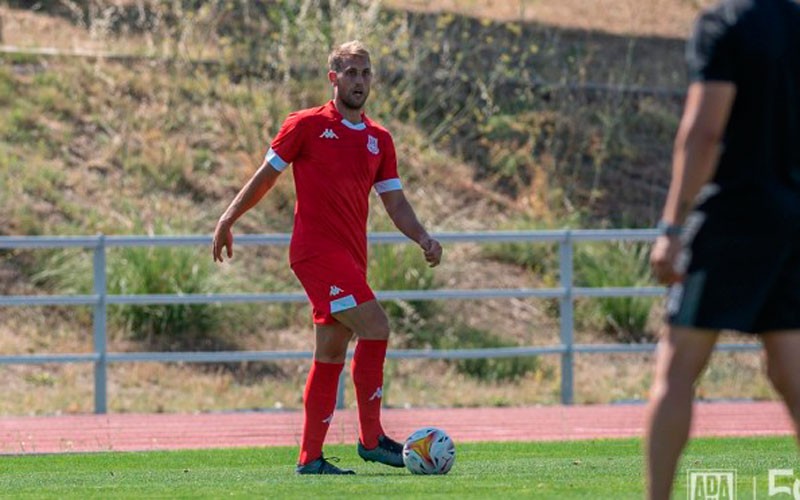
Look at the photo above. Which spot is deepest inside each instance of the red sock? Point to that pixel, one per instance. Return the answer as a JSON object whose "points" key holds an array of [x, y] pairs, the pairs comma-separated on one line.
{"points": [[367, 369], [319, 400]]}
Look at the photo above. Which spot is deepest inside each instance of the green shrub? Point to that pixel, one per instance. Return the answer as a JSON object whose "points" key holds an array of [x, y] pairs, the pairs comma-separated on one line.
{"points": [[486, 369], [145, 270], [24, 127], [539, 258], [602, 264], [8, 90], [402, 267], [614, 264], [164, 270]]}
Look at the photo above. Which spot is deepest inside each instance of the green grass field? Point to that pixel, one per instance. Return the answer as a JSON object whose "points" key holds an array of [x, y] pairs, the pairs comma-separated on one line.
{"points": [[579, 469]]}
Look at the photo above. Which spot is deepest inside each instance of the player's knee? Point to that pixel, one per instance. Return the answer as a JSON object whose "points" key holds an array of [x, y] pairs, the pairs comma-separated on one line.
{"points": [[381, 331], [671, 388], [658, 389], [377, 329], [330, 354], [785, 383]]}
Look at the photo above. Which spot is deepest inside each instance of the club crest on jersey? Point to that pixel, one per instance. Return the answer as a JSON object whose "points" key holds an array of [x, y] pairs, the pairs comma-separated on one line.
{"points": [[372, 145]]}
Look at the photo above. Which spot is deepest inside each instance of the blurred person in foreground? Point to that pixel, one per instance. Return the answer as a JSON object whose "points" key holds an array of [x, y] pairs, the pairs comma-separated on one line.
{"points": [[338, 155], [729, 245]]}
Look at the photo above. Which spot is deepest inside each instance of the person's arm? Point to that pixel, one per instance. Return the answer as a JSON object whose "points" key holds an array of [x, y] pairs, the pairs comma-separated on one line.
{"points": [[250, 194], [694, 161], [404, 218], [696, 148]]}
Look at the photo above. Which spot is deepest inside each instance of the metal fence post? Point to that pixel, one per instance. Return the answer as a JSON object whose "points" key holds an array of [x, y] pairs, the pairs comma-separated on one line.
{"points": [[566, 310], [100, 344]]}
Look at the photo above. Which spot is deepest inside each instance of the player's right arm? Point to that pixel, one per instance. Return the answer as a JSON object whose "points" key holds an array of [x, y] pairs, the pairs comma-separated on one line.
{"points": [[285, 147], [252, 192]]}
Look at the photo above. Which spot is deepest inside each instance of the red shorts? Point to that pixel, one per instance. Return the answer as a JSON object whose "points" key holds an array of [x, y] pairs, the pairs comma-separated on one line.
{"points": [[333, 283]]}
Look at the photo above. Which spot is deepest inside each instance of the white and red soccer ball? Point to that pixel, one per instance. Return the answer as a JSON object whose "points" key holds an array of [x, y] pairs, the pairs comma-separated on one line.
{"points": [[429, 450]]}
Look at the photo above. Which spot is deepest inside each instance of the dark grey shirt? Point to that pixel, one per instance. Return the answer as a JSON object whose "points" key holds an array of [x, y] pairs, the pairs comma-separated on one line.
{"points": [[755, 44]]}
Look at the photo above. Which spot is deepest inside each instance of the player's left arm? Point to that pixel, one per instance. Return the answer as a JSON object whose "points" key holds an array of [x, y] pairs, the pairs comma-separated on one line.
{"points": [[405, 219]]}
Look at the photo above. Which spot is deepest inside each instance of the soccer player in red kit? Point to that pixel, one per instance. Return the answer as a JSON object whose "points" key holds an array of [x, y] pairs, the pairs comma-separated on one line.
{"points": [[338, 155]]}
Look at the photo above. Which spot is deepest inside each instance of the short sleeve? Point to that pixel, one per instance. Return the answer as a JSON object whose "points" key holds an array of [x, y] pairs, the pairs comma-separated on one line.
{"points": [[287, 144], [386, 177], [710, 51]]}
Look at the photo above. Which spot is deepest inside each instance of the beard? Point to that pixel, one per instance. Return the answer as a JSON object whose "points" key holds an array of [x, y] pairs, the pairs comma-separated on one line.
{"points": [[354, 102]]}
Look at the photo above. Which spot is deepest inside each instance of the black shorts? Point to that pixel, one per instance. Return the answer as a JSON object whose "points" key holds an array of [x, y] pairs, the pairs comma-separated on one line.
{"points": [[743, 270]]}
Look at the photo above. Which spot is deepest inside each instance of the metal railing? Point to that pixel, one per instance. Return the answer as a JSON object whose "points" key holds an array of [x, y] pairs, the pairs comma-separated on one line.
{"points": [[100, 299]]}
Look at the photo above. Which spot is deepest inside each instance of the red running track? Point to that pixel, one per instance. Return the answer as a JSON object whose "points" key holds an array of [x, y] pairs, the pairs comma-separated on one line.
{"points": [[140, 432]]}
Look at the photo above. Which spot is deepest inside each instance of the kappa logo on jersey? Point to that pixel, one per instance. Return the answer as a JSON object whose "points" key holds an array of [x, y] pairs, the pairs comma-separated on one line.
{"points": [[378, 394], [335, 290], [372, 145], [328, 134]]}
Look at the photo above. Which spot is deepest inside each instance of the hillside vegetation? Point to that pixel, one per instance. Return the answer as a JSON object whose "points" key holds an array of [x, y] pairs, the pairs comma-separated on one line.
{"points": [[499, 122]]}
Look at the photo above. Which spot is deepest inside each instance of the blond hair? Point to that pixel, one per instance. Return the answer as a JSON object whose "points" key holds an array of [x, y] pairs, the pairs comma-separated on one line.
{"points": [[345, 50]]}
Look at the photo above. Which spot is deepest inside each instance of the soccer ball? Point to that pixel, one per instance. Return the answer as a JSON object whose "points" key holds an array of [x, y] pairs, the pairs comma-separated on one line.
{"points": [[429, 451]]}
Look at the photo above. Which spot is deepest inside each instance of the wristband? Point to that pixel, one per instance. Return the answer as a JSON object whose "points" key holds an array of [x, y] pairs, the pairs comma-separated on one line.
{"points": [[667, 229]]}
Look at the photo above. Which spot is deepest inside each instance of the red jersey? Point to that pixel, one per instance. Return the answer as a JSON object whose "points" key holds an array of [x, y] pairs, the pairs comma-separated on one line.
{"points": [[336, 163]]}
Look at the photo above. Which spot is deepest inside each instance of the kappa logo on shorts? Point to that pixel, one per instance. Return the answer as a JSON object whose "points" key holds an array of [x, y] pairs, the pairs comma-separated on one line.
{"points": [[328, 134], [335, 290]]}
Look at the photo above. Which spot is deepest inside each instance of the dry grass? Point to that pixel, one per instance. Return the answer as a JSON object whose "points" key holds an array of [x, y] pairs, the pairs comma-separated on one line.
{"points": [[154, 387], [660, 18], [440, 186], [31, 30], [28, 29], [151, 387]]}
